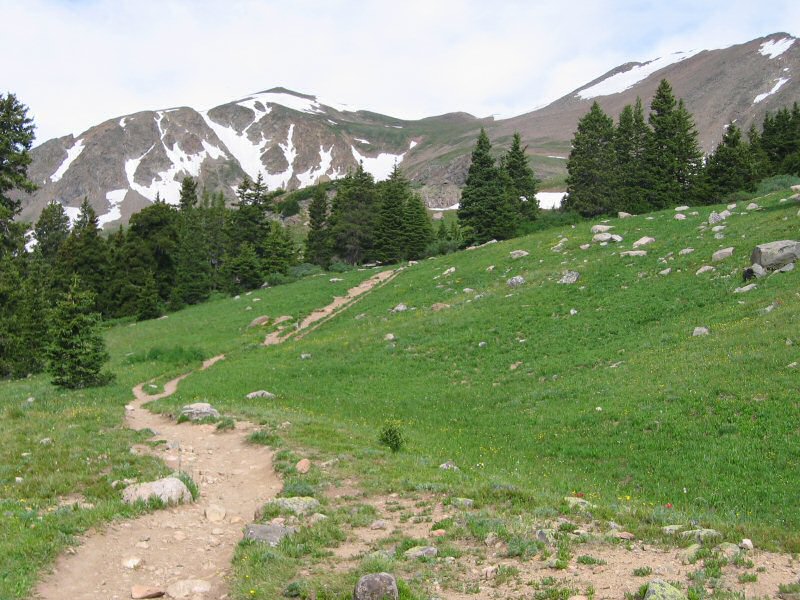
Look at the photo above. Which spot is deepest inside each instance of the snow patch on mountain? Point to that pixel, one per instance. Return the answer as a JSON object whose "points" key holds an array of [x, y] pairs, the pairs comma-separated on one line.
{"points": [[245, 151], [115, 198], [122, 122], [310, 176], [380, 167], [778, 84], [275, 181], [550, 200], [72, 213], [774, 48], [72, 153], [627, 79]]}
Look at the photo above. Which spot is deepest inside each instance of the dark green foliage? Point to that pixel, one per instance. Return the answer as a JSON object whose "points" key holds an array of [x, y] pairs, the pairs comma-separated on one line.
{"points": [[77, 351], [353, 217], [193, 269], [318, 242], [153, 235], [243, 270], [631, 140], [394, 193], [780, 141], [590, 184], [417, 232], [254, 193], [524, 184], [188, 195], [148, 302], [279, 251], [51, 230], [391, 436], [487, 209], [731, 167]]}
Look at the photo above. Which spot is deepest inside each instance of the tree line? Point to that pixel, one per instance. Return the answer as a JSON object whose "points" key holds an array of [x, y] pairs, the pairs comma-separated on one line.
{"points": [[639, 165]]}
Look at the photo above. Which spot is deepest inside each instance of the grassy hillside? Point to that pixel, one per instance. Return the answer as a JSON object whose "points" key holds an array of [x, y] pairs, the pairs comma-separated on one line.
{"points": [[618, 401]]}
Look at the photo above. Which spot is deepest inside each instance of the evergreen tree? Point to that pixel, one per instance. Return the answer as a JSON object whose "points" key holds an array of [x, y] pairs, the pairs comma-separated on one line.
{"points": [[524, 184], [318, 241], [487, 209], [631, 139], [417, 229], [84, 254], [390, 234], [214, 215], [590, 183], [760, 160], [353, 217], [51, 230], [730, 168], [12, 340], [148, 303], [16, 138], [77, 351], [153, 235], [188, 195], [193, 276], [279, 251], [32, 314], [441, 231], [243, 269]]}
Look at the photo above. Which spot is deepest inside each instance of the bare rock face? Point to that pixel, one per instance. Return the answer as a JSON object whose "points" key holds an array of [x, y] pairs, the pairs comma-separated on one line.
{"points": [[775, 255], [169, 490]]}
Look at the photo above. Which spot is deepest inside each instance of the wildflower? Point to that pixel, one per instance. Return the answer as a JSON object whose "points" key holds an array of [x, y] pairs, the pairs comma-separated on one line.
{"points": [[668, 505]]}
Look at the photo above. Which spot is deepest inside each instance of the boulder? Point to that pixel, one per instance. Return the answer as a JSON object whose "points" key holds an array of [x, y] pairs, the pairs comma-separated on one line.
{"points": [[518, 253], [400, 308], [141, 592], [681, 208], [701, 535], [515, 281], [685, 251], [569, 277], [661, 590], [585, 246], [170, 490], [269, 533], [705, 269], [376, 586], [421, 552], [303, 466], [436, 307], [746, 288], [188, 588], [602, 237], [680, 217], [260, 394], [666, 271], [746, 544], [671, 529], [299, 505], [259, 321], [722, 254], [634, 253], [616, 238], [728, 550], [379, 525], [752, 206], [715, 217], [774, 255], [602, 228], [623, 215], [448, 466], [644, 241], [698, 331], [199, 410]]}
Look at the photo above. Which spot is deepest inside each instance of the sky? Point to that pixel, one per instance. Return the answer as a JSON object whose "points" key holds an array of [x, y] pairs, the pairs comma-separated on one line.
{"points": [[76, 63]]}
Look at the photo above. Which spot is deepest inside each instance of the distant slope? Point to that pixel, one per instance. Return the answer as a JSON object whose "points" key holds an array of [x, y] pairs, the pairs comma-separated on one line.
{"points": [[296, 139]]}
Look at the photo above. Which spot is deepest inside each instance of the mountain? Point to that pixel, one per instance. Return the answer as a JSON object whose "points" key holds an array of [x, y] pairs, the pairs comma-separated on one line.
{"points": [[295, 139]]}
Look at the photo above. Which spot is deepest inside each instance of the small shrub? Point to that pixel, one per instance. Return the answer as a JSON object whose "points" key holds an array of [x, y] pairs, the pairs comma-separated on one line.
{"points": [[748, 578], [297, 487], [304, 270], [642, 571], [585, 559], [391, 436], [226, 424], [263, 438], [189, 483]]}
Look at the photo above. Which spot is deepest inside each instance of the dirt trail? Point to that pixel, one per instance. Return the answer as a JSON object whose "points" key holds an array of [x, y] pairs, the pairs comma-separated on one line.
{"points": [[178, 543], [340, 303]]}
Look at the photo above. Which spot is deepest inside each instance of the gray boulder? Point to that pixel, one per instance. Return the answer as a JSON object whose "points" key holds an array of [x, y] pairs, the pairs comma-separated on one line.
{"points": [[421, 552], [515, 281], [661, 590], [602, 237], [199, 410], [269, 533], [602, 228], [722, 254], [774, 255], [698, 331], [623, 215], [260, 394], [377, 586], [701, 535], [518, 254], [569, 277], [299, 505], [170, 490]]}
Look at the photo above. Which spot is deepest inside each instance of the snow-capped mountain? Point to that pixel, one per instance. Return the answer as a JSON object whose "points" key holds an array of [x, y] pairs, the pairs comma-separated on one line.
{"points": [[294, 139]]}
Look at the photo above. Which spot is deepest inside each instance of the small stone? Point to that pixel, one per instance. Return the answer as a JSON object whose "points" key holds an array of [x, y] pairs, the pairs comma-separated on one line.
{"points": [[491, 539], [515, 281], [681, 208], [671, 529], [421, 552], [489, 572], [317, 518], [376, 586], [698, 331], [575, 502], [303, 466], [269, 533], [728, 550], [661, 590], [731, 206], [305, 356], [573, 312], [449, 271], [686, 251], [747, 288], [752, 206], [705, 269], [746, 544], [482, 344], [624, 215], [722, 254], [379, 525], [389, 337], [585, 246], [666, 271], [602, 228], [45, 441], [133, 562], [260, 394], [449, 466], [616, 238], [438, 533], [199, 410], [623, 535], [680, 217], [792, 365], [142, 592], [169, 490], [299, 505], [634, 253], [602, 237], [439, 306], [259, 321], [188, 587], [701, 534], [569, 277], [400, 308], [468, 290], [462, 502], [518, 254], [718, 228], [644, 241], [215, 513], [18, 480]]}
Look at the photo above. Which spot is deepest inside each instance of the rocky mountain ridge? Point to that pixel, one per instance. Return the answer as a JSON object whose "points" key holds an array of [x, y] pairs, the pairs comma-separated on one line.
{"points": [[294, 140]]}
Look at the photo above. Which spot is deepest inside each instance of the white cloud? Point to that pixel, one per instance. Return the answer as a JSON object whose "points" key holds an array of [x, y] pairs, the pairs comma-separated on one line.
{"points": [[84, 61]]}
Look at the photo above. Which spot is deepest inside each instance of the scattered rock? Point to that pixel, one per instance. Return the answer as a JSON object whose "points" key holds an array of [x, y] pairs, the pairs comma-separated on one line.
{"points": [[518, 254], [438, 533], [661, 590], [687, 555], [134, 562], [379, 525], [585, 246], [449, 466], [644, 241], [45, 441], [515, 281], [698, 331], [303, 466], [573, 312], [305, 356], [462, 502], [680, 217], [671, 529], [681, 208], [482, 344], [634, 253], [774, 255], [705, 269], [686, 251], [560, 245], [188, 587], [376, 586], [715, 217], [491, 539], [270, 533], [299, 505], [624, 215], [728, 550], [215, 513], [449, 271], [752, 206], [754, 270], [666, 271], [746, 544], [468, 290], [602, 237], [259, 321], [731, 206], [400, 308], [199, 410], [747, 288], [722, 254], [389, 337], [616, 238], [623, 535], [718, 228], [141, 592], [335, 280], [575, 502], [421, 552], [170, 490], [569, 277], [701, 534], [260, 394], [438, 306], [602, 228], [489, 572], [546, 536]]}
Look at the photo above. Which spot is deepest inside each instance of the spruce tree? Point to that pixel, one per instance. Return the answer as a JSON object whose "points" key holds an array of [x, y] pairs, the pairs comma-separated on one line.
{"points": [[318, 241], [51, 230], [242, 270], [188, 195], [353, 217], [487, 209], [730, 168], [76, 353], [193, 277], [631, 139], [417, 229], [12, 340], [148, 303], [279, 251], [591, 163], [84, 254], [390, 235], [524, 183]]}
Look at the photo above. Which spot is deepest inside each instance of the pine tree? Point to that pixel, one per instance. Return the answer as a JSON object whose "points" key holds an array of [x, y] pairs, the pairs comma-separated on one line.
{"points": [[730, 168], [417, 229], [193, 276], [32, 314], [760, 160], [279, 251], [390, 235], [318, 241], [590, 183], [77, 351], [84, 254], [631, 139], [524, 184], [188, 195], [353, 217], [242, 270], [148, 303], [487, 209], [12, 341]]}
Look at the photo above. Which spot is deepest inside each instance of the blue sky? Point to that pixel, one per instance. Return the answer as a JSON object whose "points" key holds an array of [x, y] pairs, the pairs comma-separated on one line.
{"points": [[76, 63]]}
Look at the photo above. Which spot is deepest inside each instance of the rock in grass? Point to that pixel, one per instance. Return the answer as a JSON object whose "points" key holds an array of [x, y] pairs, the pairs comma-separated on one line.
{"points": [[518, 254], [698, 331], [701, 534], [680, 217], [687, 554], [569, 277], [260, 394], [666, 271], [661, 590], [515, 281], [746, 288], [462, 502], [752, 206], [722, 254], [671, 529], [686, 251], [376, 586], [142, 592], [188, 588], [199, 410], [624, 215], [601, 237], [602, 228], [728, 550], [438, 306], [380, 525], [774, 255], [575, 502], [421, 552], [303, 466], [705, 269], [681, 208], [299, 505], [746, 544], [269, 533], [400, 308], [449, 466], [634, 253], [644, 241], [259, 321], [170, 490]]}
